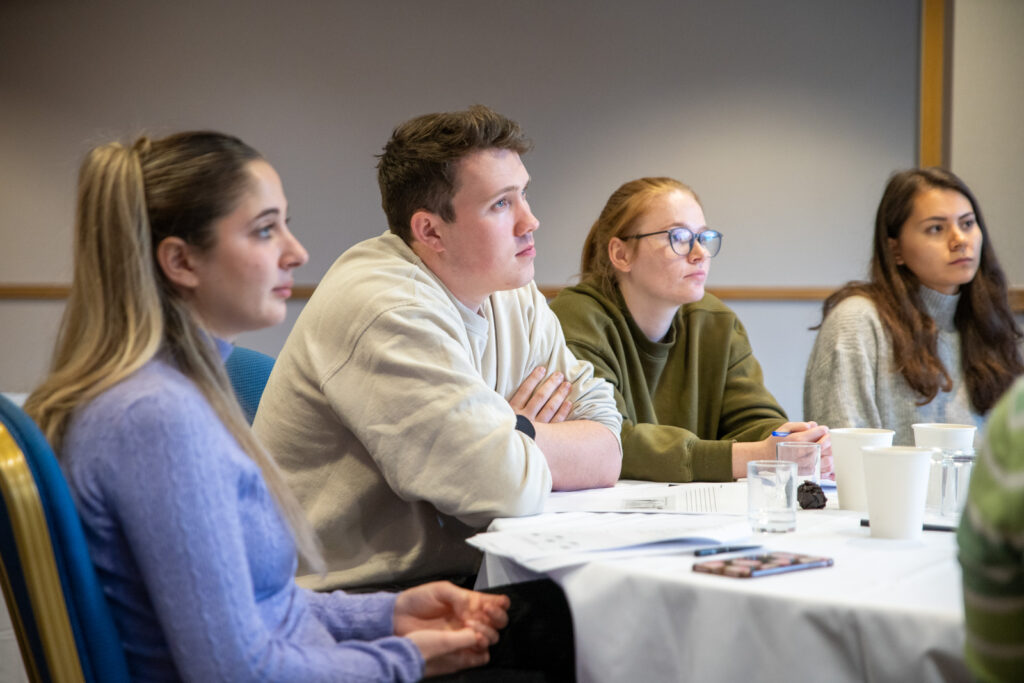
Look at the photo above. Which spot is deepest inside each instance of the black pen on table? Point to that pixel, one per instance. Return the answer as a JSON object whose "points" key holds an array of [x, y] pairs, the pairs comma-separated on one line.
{"points": [[719, 549], [924, 527]]}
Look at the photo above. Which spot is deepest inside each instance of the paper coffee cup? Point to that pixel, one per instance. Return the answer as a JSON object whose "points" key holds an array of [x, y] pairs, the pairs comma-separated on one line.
{"points": [[896, 480], [847, 462], [947, 437]]}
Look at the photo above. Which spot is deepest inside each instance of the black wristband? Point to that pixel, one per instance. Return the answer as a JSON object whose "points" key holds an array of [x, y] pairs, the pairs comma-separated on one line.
{"points": [[524, 425]]}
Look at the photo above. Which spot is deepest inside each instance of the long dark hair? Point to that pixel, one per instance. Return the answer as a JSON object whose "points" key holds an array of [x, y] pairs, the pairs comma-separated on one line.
{"points": [[989, 337]]}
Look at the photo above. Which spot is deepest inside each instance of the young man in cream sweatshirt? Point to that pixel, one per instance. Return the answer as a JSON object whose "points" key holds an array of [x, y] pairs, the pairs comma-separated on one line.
{"points": [[426, 388]]}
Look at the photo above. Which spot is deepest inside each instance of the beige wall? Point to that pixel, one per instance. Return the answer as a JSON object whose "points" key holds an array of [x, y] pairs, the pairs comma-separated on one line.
{"points": [[785, 116], [987, 129]]}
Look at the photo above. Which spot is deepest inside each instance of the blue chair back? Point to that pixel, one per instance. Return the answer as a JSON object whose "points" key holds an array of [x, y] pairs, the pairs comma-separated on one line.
{"points": [[248, 371], [64, 626]]}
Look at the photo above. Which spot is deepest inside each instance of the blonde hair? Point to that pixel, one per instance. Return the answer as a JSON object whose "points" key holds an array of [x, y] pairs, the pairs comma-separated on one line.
{"points": [[122, 310], [618, 218]]}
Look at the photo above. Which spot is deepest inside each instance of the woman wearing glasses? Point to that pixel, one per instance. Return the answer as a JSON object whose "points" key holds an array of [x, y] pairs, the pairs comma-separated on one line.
{"points": [[691, 393], [930, 337]]}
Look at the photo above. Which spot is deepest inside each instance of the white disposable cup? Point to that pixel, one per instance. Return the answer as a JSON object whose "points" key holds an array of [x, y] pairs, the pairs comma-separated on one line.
{"points": [[848, 464], [946, 437], [897, 482]]}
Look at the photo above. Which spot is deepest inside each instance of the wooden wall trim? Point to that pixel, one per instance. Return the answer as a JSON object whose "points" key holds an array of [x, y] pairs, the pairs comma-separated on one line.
{"points": [[935, 91], [745, 293], [54, 292]]}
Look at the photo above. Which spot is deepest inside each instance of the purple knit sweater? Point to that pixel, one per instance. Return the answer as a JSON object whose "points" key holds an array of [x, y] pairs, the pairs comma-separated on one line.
{"points": [[194, 557]]}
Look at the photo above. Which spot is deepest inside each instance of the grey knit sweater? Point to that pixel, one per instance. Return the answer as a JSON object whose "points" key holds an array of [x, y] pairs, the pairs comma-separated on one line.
{"points": [[851, 380]]}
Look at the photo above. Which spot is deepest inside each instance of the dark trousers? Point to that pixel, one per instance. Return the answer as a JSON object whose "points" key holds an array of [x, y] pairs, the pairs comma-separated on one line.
{"points": [[536, 646]]}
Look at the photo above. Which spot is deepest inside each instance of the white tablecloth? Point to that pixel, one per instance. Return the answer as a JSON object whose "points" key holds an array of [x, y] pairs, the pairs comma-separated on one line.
{"points": [[887, 611]]}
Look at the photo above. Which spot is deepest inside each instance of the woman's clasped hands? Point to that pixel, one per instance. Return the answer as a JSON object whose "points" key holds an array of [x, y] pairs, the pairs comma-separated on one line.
{"points": [[452, 627]]}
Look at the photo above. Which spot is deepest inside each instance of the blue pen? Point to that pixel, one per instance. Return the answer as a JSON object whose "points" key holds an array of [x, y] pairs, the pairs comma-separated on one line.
{"points": [[719, 549], [780, 433]]}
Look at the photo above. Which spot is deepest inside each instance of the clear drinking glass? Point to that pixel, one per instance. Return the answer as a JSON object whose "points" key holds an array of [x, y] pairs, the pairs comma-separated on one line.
{"points": [[955, 456], [771, 495], [956, 477], [806, 455]]}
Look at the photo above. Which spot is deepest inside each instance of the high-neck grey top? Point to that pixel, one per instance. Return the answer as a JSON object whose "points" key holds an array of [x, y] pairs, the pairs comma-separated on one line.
{"points": [[852, 381]]}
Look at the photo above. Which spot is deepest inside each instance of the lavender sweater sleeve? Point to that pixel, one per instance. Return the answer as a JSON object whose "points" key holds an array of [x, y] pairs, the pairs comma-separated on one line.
{"points": [[194, 557]]}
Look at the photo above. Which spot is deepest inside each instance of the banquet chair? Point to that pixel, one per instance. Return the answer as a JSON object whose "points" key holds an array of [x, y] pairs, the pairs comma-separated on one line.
{"points": [[248, 371], [63, 624]]}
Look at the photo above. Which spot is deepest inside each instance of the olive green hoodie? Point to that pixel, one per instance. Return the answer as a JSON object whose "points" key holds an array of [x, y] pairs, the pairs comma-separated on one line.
{"points": [[683, 399]]}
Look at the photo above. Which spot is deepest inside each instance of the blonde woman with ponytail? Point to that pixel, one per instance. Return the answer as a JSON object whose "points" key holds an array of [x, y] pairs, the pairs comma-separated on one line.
{"points": [[181, 244]]}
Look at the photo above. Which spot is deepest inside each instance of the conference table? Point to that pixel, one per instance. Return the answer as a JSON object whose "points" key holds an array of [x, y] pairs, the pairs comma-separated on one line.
{"points": [[887, 610]]}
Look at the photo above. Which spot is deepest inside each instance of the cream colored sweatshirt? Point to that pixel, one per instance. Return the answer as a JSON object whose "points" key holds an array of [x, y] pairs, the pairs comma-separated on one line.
{"points": [[388, 411]]}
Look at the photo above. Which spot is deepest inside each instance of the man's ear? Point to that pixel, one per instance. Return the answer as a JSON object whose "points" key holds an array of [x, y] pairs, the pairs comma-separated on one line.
{"points": [[427, 229], [176, 259], [894, 249], [620, 255]]}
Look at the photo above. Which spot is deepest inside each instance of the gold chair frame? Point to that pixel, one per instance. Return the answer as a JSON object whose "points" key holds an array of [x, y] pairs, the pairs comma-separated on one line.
{"points": [[39, 567]]}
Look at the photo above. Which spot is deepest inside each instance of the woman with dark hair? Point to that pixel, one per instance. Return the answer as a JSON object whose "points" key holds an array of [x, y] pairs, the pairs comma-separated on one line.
{"points": [[689, 388], [930, 336], [181, 244]]}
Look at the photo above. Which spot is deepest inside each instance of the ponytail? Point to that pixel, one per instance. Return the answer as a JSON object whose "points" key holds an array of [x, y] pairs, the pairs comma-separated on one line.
{"points": [[122, 310]]}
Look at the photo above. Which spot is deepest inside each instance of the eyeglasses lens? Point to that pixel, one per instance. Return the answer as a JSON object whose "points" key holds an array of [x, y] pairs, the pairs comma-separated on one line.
{"points": [[681, 241]]}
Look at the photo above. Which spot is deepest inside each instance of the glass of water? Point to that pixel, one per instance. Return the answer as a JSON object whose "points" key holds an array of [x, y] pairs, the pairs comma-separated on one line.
{"points": [[956, 479], [771, 495], [806, 455]]}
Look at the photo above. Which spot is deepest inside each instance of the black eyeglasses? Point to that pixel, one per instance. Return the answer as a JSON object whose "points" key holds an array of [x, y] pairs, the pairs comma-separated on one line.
{"points": [[682, 240]]}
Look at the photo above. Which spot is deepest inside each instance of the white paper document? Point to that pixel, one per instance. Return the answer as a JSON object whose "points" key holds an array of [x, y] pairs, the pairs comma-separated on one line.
{"points": [[728, 498], [562, 540]]}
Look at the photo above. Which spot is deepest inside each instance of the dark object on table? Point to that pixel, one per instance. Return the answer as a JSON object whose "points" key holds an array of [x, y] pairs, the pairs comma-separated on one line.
{"points": [[810, 496], [925, 527]]}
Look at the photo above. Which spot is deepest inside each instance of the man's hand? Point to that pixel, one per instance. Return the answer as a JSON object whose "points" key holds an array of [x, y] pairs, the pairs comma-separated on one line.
{"points": [[451, 626], [581, 454], [542, 400]]}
